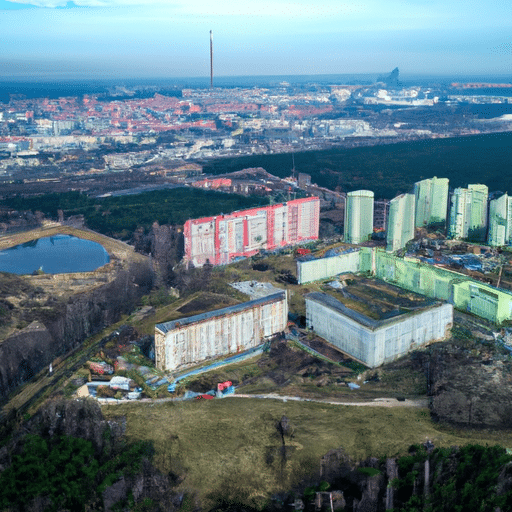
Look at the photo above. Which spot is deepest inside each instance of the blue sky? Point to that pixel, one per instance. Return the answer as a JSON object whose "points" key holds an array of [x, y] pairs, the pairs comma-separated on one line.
{"points": [[157, 38]]}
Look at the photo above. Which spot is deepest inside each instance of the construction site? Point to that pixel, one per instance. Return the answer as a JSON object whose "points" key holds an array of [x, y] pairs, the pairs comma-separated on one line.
{"points": [[225, 238]]}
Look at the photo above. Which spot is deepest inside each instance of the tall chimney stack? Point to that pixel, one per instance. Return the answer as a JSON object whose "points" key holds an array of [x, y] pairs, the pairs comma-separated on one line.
{"points": [[211, 59]]}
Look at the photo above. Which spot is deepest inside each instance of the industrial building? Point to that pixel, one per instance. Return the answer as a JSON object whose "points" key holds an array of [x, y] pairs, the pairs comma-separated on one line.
{"points": [[220, 332], [431, 198], [371, 341], [358, 216], [468, 213], [401, 222], [500, 221], [224, 238]]}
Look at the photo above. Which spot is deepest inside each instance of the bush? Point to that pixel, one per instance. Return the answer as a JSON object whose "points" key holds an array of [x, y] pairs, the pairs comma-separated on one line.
{"points": [[369, 471], [105, 392]]}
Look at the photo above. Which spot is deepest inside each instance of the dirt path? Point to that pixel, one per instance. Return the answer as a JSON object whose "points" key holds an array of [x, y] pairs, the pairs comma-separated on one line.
{"points": [[376, 402]]}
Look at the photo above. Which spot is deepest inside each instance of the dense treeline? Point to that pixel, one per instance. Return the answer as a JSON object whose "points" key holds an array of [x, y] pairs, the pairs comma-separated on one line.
{"points": [[65, 473], [69, 458], [120, 216], [392, 169], [468, 478]]}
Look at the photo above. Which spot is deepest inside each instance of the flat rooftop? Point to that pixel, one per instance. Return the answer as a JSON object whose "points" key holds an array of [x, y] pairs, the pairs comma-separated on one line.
{"points": [[180, 322], [360, 318], [255, 289], [371, 302]]}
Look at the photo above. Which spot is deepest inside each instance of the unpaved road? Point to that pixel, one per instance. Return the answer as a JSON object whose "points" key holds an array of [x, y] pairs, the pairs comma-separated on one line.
{"points": [[376, 402]]}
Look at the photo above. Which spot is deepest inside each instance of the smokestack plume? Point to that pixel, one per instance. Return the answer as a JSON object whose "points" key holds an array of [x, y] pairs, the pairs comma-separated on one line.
{"points": [[211, 59]]}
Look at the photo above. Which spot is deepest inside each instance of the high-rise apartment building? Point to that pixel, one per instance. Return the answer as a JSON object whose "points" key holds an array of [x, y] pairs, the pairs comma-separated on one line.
{"points": [[431, 198], [500, 221], [380, 214], [358, 216], [468, 213], [222, 239], [400, 222]]}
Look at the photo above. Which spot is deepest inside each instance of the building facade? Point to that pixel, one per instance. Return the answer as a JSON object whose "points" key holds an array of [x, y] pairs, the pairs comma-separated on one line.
{"points": [[500, 221], [371, 341], [431, 202], [224, 238], [468, 213], [380, 214], [401, 222], [358, 225], [220, 332]]}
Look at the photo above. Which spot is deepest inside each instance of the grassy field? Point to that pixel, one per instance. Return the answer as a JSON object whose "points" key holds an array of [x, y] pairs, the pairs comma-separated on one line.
{"points": [[230, 448]]}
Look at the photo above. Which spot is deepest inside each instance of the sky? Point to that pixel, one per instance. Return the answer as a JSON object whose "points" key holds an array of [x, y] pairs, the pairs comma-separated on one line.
{"points": [[109, 39]]}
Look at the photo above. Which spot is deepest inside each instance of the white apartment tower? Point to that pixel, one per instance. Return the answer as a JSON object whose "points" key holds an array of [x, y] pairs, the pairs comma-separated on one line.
{"points": [[431, 202], [500, 221], [400, 222], [358, 216], [468, 213]]}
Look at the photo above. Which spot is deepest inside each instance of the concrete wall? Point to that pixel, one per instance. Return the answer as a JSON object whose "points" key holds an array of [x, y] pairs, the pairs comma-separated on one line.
{"points": [[483, 300], [223, 331], [375, 346], [418, 277], [323, 268]]}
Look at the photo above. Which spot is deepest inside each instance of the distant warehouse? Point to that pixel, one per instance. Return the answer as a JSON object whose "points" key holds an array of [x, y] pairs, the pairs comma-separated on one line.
{"points": [[223, 331], [223, 238], [376, 341]]}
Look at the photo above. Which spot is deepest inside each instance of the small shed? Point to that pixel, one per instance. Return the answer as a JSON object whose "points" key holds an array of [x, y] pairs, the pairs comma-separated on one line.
{"points": [[123, 383]]}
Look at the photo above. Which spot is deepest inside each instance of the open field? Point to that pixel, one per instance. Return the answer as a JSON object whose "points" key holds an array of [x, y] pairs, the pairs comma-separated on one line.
{"points": [[230, 448]]}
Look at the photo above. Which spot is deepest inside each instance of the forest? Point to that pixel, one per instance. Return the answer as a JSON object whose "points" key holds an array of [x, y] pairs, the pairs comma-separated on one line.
{"points": [[120, 216], [392, 169]]}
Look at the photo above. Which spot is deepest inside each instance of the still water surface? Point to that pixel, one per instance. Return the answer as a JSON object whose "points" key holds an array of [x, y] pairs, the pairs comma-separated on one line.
{"points": [[57, 254]]}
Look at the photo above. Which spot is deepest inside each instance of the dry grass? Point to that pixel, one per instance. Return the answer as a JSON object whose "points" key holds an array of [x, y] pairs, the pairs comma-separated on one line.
{"points": [[229, 448]]}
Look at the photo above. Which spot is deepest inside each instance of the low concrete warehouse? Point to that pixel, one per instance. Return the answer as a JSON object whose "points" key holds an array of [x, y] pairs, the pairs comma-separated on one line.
{"points": [[219, 332], [376, 341]]}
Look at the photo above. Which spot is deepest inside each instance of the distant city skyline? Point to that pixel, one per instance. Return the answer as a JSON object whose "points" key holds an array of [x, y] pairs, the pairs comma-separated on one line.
{"points": [[52, 39]]}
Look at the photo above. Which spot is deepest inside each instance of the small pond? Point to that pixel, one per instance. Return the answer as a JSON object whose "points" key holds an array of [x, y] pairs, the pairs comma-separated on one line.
{"points": [[59, 254]]}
